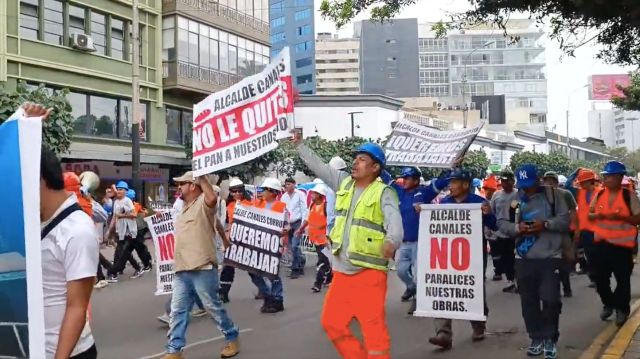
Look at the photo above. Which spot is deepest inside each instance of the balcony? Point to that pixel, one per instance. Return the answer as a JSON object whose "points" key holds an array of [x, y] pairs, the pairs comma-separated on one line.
{"points": [[220, 16], [181, 76]]}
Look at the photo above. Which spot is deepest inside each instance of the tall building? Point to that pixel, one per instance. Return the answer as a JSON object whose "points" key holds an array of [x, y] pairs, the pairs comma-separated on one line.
{"points": [[483, 62], [386, 66], [188, 49], [337, 65], [617, 128], [292, 24]]}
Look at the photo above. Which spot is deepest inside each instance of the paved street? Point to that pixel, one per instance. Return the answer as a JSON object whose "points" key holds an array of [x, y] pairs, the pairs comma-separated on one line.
{"points": [[125, 325]]}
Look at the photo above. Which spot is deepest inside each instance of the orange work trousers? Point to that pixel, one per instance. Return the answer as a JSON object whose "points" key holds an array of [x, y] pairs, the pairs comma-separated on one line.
{"points": [[360, 296]]}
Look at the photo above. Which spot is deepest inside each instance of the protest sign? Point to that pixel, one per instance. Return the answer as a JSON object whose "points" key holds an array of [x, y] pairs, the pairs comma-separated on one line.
{"points": [[161, 226], [21, 296], [411, 144], [450, 262], [255, 240], [245, 121]]}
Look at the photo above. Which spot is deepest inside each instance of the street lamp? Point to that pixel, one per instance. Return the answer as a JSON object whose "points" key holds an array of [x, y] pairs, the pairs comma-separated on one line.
{"points": [[567, 115], [353, 130], [465, 108]]}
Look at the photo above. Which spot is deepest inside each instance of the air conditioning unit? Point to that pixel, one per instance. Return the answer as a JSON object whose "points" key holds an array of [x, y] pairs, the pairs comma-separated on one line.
{"points": [[82, 42]]}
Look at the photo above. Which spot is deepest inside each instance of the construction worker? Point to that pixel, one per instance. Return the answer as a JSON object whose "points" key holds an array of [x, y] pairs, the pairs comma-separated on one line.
{"points": [[583, 233], [615, 215], [367, 232], [489, 187], [72, 184], [274, 294], [461, 189], [138, 243], [316, 226], [503, 204]]}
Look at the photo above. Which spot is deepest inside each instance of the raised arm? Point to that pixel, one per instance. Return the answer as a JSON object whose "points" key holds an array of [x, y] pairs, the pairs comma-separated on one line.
{"points": [[331, 176]]}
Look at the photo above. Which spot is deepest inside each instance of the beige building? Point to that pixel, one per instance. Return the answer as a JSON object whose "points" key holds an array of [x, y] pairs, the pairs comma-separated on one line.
{"points": [[337, 65]]}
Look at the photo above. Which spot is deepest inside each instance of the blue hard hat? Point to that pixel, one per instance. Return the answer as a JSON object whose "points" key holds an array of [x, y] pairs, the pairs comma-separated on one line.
{"points": [[375, 151], [131, 194], [460, 174], [122, 185], [476, 183], [527, 176], [411, 172], [614, 168], [259, 189]]}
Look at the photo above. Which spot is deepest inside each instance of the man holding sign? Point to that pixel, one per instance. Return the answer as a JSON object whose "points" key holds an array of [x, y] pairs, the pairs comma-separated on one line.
{"points": [[460, 187]]}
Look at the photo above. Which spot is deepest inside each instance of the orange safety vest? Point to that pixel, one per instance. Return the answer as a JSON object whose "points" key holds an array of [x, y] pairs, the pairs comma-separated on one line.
{"points": [[583, 223], [277, 206], [231, 208], [317, 224], [618, 233]]}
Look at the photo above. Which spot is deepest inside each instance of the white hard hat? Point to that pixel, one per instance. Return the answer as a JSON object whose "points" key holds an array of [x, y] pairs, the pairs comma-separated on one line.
{"points": [[338, 163], [562, 180], [272, 183], [236, 182], [320, 188], [317, 181]]}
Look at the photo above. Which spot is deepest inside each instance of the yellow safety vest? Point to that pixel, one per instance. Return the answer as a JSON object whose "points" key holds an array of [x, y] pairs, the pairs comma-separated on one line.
{"points": [[367, 232]]}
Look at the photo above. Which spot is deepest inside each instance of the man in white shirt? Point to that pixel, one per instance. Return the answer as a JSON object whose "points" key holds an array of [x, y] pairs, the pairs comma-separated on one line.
{"points": [[296, 203], [69, 262], [125, 226]]}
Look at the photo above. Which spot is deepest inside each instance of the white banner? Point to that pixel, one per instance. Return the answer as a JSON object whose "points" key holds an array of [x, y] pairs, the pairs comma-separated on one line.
{"points": [[161, 226], [245, 121], [450, 262], [413, 145]]}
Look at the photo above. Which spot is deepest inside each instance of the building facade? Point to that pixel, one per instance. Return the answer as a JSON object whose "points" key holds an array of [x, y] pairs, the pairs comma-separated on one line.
{"points": [[386, 67], [187, 50], [337, 65], [482, 62], [292, 24], [617, 128]]}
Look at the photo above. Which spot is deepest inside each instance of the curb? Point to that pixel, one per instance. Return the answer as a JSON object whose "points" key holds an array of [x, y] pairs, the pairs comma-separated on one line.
{"points": [[617, 340]]}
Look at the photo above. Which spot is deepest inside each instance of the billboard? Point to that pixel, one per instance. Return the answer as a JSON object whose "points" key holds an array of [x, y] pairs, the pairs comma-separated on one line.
{"points": [[603, 87]]}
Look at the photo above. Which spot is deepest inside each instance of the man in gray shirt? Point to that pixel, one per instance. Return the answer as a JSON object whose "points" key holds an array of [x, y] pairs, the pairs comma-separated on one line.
{"points": [[503, 204], [358, 278]]}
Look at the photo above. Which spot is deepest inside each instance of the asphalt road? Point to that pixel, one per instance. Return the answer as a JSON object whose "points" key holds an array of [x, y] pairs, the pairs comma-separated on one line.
{"points": [[125, 325]]}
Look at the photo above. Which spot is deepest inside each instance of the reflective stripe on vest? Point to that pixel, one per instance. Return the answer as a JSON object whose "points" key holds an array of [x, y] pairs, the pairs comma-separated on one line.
{"points": [[618, 233], [366, 232]]}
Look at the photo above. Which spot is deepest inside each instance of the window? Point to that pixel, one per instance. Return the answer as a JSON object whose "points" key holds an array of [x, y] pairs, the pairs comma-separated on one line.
{"points": [[278, 6], [392, 75], [300, 2], [434, 91], [104, 111], [117, 39], [303, 46], [53, 22], [304, 30], [303, 14], [29, 27], [304, 62], [391, 41], [224, 56], [432, 45], [433, 60], [233, 59], [76, 20], [434, 76], [304, 79], [277, 22], [126, 119], [178, 123], [275, 38], [98, 32]]}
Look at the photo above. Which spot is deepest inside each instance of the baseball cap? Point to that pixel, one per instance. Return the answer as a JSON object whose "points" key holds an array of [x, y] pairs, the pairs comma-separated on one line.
{"points": [[527, 176], [186, 177], [551, 174]]}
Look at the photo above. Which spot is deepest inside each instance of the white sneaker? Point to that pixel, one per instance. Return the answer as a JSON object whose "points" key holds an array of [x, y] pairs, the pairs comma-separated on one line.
{"points": [[197, 313], [101, 284], [164, 318], [137, 274]]}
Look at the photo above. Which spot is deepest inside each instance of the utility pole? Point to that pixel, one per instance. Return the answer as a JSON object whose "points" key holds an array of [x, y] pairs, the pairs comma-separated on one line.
{"points": [[353, 128], [135, 103], [568, 144]]}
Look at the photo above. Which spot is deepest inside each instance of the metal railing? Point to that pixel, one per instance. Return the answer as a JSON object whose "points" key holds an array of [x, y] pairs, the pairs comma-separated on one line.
{"points": [[14, 326], [197, 73], [214, 8]]}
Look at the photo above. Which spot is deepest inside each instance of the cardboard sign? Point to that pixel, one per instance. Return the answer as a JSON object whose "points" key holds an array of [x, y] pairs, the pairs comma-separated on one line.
{"points": [[161, 226]]}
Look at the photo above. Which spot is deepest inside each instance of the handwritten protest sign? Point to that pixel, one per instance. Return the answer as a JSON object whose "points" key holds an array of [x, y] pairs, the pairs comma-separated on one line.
{"points": [[244, 121], [450, 262], [256, 240], [161, 226], [415, 145]]}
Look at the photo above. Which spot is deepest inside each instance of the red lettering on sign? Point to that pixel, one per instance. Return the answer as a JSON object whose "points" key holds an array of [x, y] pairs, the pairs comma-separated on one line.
{"points": [[460, 254], [166, 247], [457, 253]]}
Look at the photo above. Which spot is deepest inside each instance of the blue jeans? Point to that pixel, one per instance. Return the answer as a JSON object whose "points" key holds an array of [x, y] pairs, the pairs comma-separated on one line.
{"points": [[167, 306], [298, 259], [406, 264], [276, 291], [187, 286]]}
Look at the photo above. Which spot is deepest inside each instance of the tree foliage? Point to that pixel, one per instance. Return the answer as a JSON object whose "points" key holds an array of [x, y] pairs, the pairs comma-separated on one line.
{"points": [[554, 161], [57, 130], [631, 99], [615, 24]]}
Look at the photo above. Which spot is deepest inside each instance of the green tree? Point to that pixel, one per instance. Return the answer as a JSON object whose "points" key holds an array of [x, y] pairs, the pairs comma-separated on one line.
{"points": [[57, 131], [555, 161], [615, 24], [631, 99]]}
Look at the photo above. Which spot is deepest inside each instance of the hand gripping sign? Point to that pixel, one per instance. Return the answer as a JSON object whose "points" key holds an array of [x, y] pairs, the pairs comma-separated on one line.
{"points": [[450, 262]]}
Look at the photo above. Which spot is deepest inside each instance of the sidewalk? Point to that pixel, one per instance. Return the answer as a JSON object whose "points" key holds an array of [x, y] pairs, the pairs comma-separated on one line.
{"points": [[626, 342]]}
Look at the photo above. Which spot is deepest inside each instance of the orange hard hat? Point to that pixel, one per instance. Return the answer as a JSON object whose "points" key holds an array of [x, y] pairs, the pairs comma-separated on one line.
{"points": [[490, 182], [586, 175], [71, 181]]}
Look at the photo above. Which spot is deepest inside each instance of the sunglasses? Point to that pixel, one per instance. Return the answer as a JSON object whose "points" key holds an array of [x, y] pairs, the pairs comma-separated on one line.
{"points": [[236, 191]]}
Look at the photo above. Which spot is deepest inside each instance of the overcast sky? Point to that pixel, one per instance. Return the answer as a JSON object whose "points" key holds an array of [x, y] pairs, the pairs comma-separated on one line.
{"points": [[565, 75]]}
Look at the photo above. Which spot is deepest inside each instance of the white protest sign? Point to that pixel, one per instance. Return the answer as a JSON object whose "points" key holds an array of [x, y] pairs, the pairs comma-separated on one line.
{"points": [[450, 262], [256, 240], [161, 226], [245, 121], [411, 144]]}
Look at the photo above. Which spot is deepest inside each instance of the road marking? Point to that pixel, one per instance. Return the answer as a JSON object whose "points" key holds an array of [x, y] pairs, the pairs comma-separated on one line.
{"points": [[205, 341], [605, 337]]}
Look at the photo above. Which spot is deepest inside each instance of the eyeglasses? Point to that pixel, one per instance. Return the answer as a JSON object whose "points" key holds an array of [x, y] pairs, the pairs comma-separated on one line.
{"points": [[236, 191]]}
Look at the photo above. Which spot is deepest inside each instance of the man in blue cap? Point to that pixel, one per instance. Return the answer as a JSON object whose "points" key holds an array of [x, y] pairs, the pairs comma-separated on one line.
{"points": [[614, 214], [461, 191], [542, 221], [124, 224]]}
